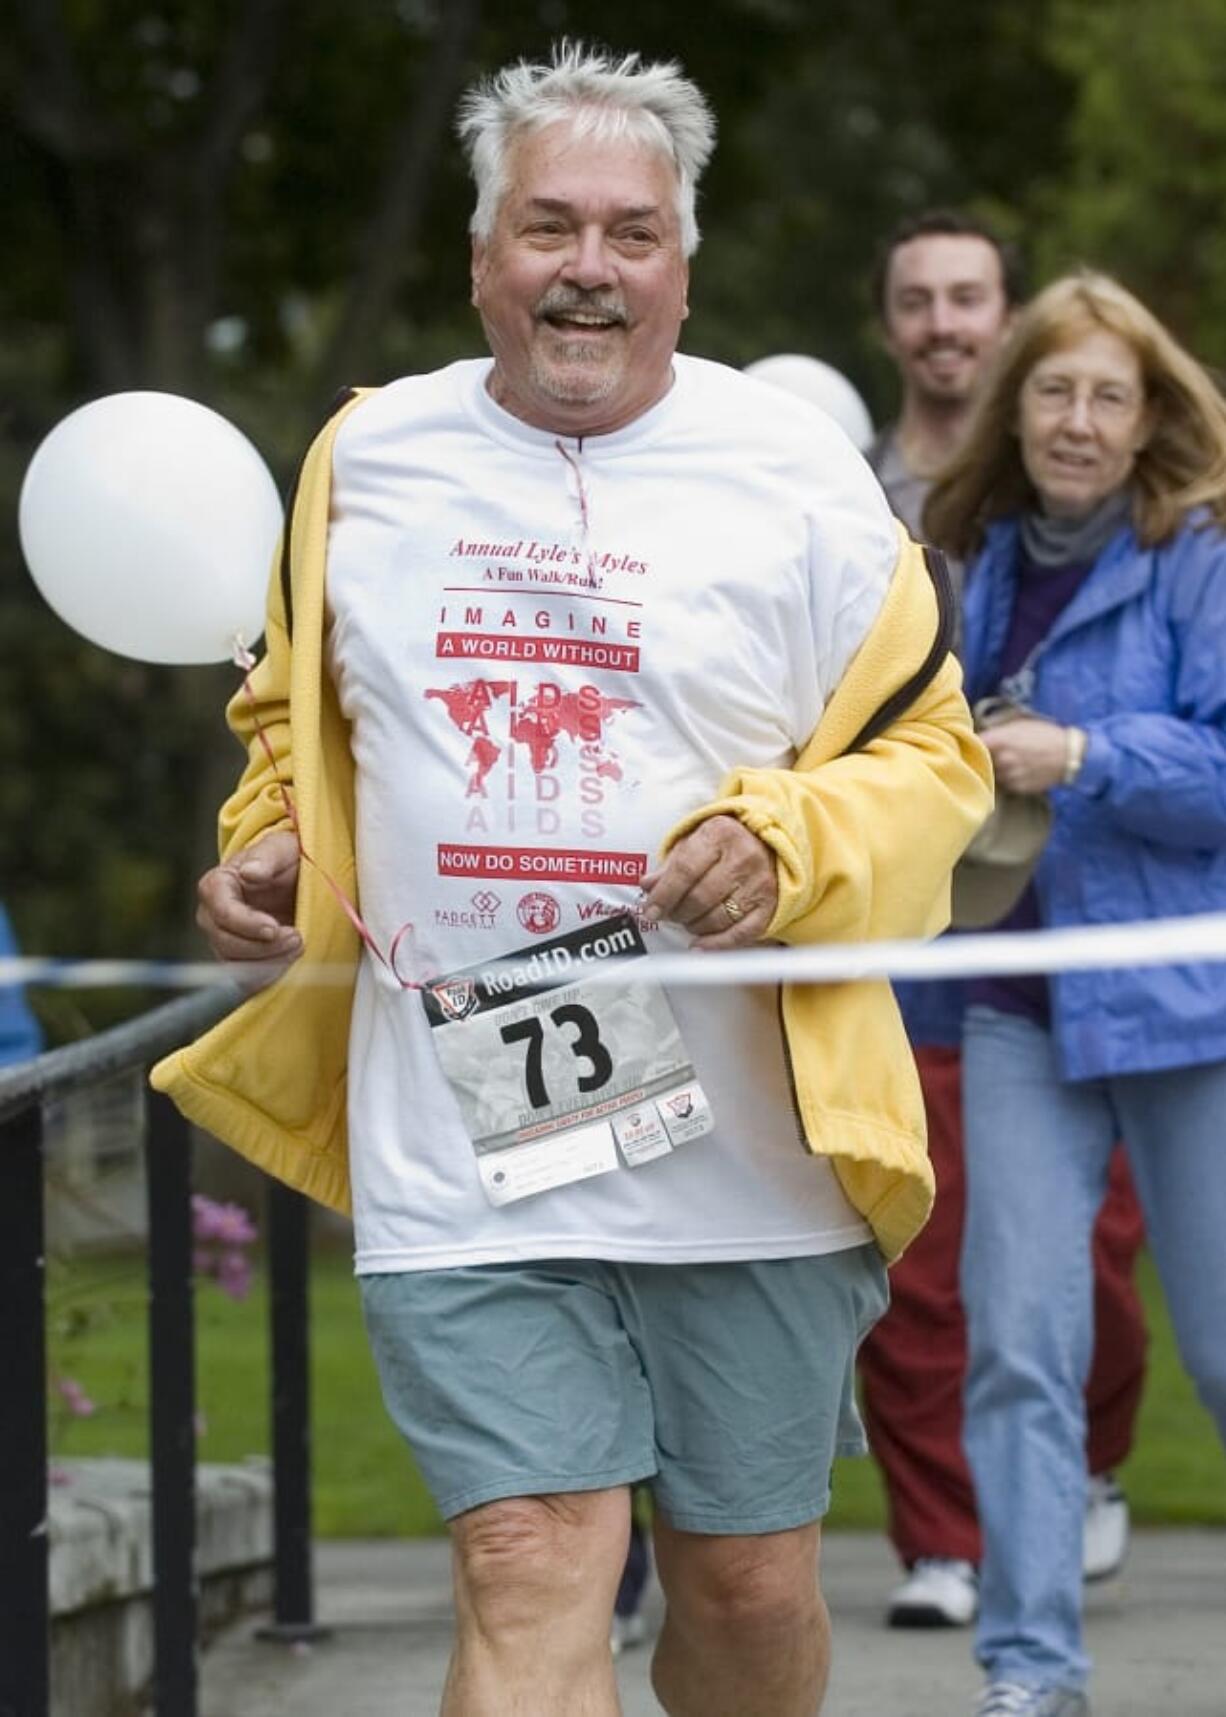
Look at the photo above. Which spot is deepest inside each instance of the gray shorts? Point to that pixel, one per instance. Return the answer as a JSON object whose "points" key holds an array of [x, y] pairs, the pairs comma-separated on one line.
{"points": [[730, 1388]]}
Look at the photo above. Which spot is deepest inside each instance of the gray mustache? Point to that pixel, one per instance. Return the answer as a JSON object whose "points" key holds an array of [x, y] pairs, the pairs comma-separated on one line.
{"points": [[560, 302]]}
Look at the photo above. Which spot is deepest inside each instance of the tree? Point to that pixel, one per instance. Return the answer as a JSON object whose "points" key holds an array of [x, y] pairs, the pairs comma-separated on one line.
{"points": [[1146, 183], [887, 108]]}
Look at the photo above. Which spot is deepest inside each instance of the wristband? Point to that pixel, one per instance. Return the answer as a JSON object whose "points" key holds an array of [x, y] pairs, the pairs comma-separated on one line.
{"points": [[1076, 742]]}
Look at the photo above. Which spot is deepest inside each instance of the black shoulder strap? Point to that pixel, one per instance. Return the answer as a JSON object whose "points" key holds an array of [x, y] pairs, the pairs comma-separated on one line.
{"points": [[287, 583], [942, 644]]}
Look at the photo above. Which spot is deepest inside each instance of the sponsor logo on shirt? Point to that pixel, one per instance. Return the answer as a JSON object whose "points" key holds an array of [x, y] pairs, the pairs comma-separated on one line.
{"points": [[590, 909], [484, 914], [539, 913], [456, 997]]}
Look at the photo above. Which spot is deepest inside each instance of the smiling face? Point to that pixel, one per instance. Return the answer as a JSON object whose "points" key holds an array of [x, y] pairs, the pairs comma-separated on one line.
{"points": [[581, 287], [1082, 421], [945, 313]]}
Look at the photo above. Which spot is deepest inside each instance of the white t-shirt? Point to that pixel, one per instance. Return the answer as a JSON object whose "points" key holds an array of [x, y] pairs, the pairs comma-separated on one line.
{"points": [[549, 650]]}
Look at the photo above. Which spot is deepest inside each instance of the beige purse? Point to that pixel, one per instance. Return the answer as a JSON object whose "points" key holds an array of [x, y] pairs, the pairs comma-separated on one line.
{"points": [[991, 876]]}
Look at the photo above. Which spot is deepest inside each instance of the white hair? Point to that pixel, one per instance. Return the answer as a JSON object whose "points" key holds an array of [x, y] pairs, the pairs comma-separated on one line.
{"points": [[598, 96]]}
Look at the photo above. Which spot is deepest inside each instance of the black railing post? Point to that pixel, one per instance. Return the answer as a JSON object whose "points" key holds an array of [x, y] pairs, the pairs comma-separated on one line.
{"points": [[25, 1678], [172, 1409], [25, 1632], [288, 1259]]}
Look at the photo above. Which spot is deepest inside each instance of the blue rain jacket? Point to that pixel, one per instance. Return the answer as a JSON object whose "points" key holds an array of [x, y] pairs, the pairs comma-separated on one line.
{"points": [[1137, 659]]}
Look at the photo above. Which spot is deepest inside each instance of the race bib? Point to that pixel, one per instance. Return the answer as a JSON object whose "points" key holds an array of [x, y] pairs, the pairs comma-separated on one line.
{"points": [[558, 1079]]}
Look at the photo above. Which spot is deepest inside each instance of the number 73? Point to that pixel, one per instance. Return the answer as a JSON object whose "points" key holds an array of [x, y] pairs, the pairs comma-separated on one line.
{"points": [[586, 1045]]}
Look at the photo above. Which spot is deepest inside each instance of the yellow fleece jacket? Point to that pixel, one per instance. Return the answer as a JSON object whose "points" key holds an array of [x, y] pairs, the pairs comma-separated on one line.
{"points": [[865, 843]]}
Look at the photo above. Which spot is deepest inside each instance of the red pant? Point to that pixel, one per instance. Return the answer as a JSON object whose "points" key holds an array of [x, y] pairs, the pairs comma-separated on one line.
{"points": [[913, 1363]]}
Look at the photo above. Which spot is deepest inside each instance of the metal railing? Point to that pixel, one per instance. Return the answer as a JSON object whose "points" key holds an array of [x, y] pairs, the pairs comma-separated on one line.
{"points": [[25, 1621]]}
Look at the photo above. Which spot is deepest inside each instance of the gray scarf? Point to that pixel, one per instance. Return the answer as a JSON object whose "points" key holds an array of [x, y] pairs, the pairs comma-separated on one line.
{"points": [[1051, 543]]}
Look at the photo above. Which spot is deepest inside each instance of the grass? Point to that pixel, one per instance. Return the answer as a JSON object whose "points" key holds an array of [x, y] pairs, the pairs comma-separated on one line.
{"points": [[365, 1482]]}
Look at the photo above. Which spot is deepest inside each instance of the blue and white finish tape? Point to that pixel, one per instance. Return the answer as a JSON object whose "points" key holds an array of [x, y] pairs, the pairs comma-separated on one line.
{"points": [[1154, 942]]}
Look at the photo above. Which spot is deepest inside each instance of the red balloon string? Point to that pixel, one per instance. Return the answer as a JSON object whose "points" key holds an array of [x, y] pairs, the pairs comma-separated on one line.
{"points": [[246, 661]]}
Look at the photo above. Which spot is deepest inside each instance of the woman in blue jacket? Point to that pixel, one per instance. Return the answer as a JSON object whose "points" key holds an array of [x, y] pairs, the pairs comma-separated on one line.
{"points": [[1091, 502]]}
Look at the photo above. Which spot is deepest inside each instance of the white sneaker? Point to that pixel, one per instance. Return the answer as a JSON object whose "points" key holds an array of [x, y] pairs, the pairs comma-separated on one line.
{"points": [[1105, 1544], [939, 1592], [1011, 1699], [626, 1631]]}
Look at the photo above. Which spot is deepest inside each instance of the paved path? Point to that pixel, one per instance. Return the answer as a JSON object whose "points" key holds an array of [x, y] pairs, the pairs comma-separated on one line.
{"points": [[1158, 1635]]}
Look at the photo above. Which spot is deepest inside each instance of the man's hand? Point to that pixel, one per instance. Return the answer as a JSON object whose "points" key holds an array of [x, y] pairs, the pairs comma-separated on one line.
{"points": [[719, 882], [246, 907], [1028, 755]]}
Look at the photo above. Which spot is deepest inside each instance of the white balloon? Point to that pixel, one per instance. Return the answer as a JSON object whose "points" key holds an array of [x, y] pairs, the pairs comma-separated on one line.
{"points": [[821, 384], [149, 522]]}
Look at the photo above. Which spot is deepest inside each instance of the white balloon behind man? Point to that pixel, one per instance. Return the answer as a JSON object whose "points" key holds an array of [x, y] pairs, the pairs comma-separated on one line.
{"points": [[822, 385], [149, 522]]}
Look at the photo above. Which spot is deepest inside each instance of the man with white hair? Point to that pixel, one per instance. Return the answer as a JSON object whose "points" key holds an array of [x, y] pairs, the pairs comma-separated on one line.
{"points": [[581, 653]]}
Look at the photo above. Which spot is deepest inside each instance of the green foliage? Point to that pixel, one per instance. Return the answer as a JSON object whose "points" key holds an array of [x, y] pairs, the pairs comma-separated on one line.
{"points": [[885, 109], [1146, 182], [365, 1481], [98, 757]]}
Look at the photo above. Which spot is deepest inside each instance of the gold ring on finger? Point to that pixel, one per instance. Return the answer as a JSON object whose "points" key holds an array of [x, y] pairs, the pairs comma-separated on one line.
{"points": [[733, 909]]}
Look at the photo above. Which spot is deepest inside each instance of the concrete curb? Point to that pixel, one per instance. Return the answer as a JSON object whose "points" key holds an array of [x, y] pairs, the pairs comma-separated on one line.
{"points": [[101, 1572]]}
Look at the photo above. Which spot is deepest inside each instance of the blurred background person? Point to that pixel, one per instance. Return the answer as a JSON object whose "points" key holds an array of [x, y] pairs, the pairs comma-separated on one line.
{"points": [[947, 289], [1090, 501], [20, 1037], [629, 1625]]}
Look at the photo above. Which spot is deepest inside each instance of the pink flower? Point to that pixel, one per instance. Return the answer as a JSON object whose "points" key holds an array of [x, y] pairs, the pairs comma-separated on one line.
{"points": [[204, 1217], [234, 1274], [235, 1227], [222, 1224], [75, 1398], [220, 1232]]}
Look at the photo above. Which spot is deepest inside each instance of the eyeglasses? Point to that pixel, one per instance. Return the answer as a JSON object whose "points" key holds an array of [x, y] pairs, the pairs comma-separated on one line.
{"points": [[1105, 401]]}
